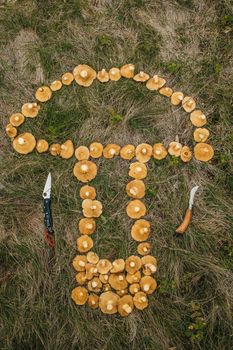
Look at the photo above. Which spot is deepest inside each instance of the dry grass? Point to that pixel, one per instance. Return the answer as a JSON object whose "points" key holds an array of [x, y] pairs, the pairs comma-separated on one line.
{"points": [[187, 41]]}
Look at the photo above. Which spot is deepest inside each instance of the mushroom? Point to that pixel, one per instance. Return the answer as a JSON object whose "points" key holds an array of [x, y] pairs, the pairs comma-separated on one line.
{"points": [[149, 264], [91, 271], [155, 83], [79, 295], [188, 104], [79, 263], [122, 292], [30, 110], [203, 152], [133, 264], [148, 284], [84, 75], [24, 143], [177, 98], [96, 150], [159, 151], [166, 91], [84, 244], [94, 285], [55, 149], [43, 94], [118, 281], [134, 288], [141, 77], [118, 265], [108, 302], [87, 226], [127, 71], [87, 192], [114, 74], [140, 230], [143, 152], [127, 152], [11, 130], [136, 209], [186, 154], [125, 305], [201, 134], [17, 119], [56, 85], [144, 248], [85, 170], [135, 278], [93, 301], [67, 78], [82, 153], [92, 258], [136, 189], [111, 150], [67, 149], [140, 300], [198, 118], [106, 287], [103, 76], [42, 146], [81, 278], [138, 170], [104, 266], [104, 278], [174, 148], [91, 208]]}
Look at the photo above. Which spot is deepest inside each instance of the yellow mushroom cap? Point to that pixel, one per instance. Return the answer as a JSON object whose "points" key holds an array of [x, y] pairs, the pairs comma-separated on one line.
{"points": [[30, 110], [42, 146], [138, 170], [67, 78], [122, 292], [118, 265], [186, 154], [94, 285], [91, 271], [148, 284], [149, 264], [84, 244], [198, 118], [85, 170], [143, 152], [188, 104], [144, 248], [81, 278], [79, 295], [127, 152], [125, 305], [91, 208], [134, 288], [133, 278], [114, 74], [56, 85], [108, 302], [24, 143], [79, 263], [118, 281], [93, 301], [103, 76], [140, 230], [136, 189], [140, 300], [174, 148], [43, 94], [92, 258], [96, 149], [177, 97], [141, 77], [155, 83], [17, 119], [87, 192], [104, 278], [159, 151], [133, 264], [203, 152], [104, 266], [87, 226], [55, 149], [136, 209], [84, 75], [11, 130], [82, 153], [106, 287], [127, 71], [201, 134], [166, 91], [111, 150], [67, 149]]}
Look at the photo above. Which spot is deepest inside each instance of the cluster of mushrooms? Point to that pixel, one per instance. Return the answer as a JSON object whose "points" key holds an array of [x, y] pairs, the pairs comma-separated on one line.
{"points": [[84, 76]]}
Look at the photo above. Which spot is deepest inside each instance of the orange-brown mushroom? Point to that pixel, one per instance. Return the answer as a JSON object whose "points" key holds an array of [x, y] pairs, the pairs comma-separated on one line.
{"points": [[118, 266], [174, 148], [67, 78], [43, 94], [82, 153], [143, 152], [93, 301], [198, 118], [81, 278], [94, 285], [138, 170], [201, 134], [108, 302], [96, 149], [91, 208], [140, 300], [148, 284], [136, 189], [79, 263], [135, 278], [84, 75], [79, 295], [42, 146], [92, 258], [104, 266], [166, 91], [114, 74], [91, 271], [189, 104], [17, 119], [104, 278], [111, 150], [24, 143], [103, 76], [141, 77], [106, 287], [85, 170], [203, 152], [159, 151], [118, 281], [133, 264], [125, 305], [11, 130], [155, 83], [127, 152], [140, 230], [186, 154], [136, 209], [127, 71], [55, 149], [176, 98], [30, 110], [84, 244], [87, 192], [134, 288], [56, 85], [122, 292], [67, 149], [149, 264], [87, 226], [144, 248]]}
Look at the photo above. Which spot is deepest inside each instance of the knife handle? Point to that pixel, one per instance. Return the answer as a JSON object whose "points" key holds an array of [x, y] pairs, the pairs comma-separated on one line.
{"points": [[48, 220], [187, 218], [49, 237]]}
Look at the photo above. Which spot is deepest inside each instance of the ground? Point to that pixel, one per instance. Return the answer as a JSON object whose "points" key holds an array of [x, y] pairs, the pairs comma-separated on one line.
{"points": [[189, 42]]}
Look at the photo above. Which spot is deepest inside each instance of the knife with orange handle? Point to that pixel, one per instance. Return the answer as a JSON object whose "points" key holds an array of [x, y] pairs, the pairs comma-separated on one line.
{"points": [[188, 215]]}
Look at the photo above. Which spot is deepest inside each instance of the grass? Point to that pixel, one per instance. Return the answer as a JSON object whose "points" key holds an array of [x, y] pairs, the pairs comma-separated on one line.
{"points": [[189, 43]]}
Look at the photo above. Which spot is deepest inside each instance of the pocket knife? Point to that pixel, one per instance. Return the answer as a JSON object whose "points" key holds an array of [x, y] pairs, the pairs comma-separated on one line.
{"points": [[48, 220]]}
